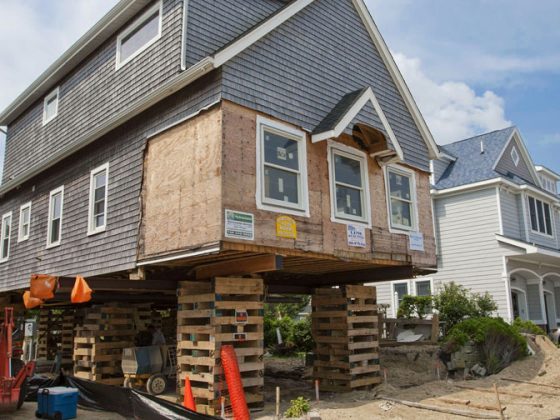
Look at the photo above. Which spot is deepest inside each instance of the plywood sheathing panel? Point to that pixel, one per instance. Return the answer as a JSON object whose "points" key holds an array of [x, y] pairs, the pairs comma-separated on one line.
{"points": [[182, 186], [317, 233]]}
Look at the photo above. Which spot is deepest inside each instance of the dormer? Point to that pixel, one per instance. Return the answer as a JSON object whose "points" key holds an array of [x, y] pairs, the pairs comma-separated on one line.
{"points": [[549, 179]]}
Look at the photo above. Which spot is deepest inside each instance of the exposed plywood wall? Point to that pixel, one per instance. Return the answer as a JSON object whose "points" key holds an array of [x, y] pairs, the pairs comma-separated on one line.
{"points": [[182, 186], [316, 233]]}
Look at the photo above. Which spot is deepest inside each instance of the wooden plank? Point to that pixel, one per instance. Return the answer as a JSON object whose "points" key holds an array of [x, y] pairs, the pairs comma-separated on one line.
{"points": [[238, 267]]}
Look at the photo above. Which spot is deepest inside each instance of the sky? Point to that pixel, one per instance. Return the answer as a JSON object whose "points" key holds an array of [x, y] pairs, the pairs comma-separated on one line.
{"points": [[473, 66]]}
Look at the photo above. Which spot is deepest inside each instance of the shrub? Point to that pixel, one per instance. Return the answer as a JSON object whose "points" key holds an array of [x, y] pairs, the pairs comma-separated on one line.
{"points": [[303, 340], [455, 303], [499, 342], [296, 335], [298, 407], [415, 306], [527, 327]]}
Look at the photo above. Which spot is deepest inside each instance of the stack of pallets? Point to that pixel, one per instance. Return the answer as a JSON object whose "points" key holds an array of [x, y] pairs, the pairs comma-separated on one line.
{"points": [[211, 314], [99, 342], [345, 330]]}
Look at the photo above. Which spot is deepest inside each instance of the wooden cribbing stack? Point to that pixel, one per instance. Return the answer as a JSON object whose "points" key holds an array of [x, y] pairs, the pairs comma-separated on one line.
{"points": [[345, 330], [211, 314], [99, 342]]}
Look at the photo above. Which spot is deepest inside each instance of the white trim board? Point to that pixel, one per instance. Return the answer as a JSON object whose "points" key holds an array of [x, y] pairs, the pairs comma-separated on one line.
{"points": [[367, 96]]}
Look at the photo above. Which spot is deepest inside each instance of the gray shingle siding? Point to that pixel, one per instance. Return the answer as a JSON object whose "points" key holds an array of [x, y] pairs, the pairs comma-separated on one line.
{"points": [[92, 93], [300, 71], [534, 302], [506, 165], [510, 216], [212, 24], [115, 249]]}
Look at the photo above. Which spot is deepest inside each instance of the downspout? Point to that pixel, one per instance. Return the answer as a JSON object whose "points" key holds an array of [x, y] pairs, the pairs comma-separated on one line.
{"points": [[184, 36]]}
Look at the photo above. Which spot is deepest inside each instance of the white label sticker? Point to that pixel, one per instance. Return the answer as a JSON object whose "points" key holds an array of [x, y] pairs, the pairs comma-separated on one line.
{"points": [[416, 241], [281, 153], [356, 236]]}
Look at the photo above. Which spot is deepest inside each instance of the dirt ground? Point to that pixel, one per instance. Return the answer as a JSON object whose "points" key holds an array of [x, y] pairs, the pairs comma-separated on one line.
{"points": [[411, 376]]}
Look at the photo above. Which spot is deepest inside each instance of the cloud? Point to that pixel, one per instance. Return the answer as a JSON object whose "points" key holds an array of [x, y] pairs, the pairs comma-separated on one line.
{"points": [[453, 110], [550, 140]]}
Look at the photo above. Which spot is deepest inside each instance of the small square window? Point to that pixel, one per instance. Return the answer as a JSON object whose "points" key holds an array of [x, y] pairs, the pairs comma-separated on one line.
{"points": [[515, 156], [282, 168], [50, 106], [349, 184], [142, 33], [24, 222], [402, 198]]}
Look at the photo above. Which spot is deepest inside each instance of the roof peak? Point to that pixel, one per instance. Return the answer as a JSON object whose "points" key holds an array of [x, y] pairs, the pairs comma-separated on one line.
{"points": [[481, 135]]}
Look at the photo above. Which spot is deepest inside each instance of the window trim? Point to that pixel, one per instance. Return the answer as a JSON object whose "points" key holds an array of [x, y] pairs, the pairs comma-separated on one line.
{"points": [[53, 94], [292, 133], [22, 238], [5, 216], [355, 154], [515, 156], [551, 212], [430, 279], [131, 28], [91, 229], [49, 226], [401, 170], [394, 305]]}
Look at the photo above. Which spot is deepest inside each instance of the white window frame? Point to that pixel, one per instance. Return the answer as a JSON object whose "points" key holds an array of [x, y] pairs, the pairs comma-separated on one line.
{"points": [[4, 217], [269, 204], [421, 281], [21, 236], [354, 154], [515, 156], [394, 301], [54, 94], [49, 227], [403, 171], [552, 221], [132, 27], [92, 230]]}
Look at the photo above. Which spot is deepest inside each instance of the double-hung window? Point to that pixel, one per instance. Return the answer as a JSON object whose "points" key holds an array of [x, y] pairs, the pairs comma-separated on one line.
{"points": [[54, 229], [98, 199], [5, 236], [400, 290], [142, 33], [348, 174], [281, 168], [402, 198], [50, 106], [541, 217], [24, 222]]}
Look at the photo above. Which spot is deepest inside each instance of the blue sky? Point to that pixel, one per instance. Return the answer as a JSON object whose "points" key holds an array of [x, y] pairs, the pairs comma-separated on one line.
{"points": [[472, 65]]}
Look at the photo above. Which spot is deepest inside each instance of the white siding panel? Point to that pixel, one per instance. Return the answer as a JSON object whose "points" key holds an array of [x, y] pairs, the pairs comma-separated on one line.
{"points": [[510, 215], [470, 255]]}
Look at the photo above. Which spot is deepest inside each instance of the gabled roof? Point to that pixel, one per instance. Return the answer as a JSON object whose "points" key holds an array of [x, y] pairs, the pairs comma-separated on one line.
{"points": [[126, 9], [547, 171], [470, 164], [336, 121]]}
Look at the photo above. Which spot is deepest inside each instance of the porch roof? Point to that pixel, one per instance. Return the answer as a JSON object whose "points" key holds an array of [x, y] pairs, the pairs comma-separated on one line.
{"points": [[531, 252]]}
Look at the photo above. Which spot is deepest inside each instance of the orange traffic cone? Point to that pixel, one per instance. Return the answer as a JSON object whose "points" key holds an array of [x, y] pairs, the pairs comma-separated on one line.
{"points": [[188, 399]]}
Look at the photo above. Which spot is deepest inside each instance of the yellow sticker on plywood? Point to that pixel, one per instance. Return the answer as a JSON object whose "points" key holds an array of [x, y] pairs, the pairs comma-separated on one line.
{"points": [[286, 227]]}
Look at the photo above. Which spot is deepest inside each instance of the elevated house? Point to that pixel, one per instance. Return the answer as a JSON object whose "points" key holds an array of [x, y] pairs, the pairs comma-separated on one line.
{"points": [[497, 221], [184, 140]]}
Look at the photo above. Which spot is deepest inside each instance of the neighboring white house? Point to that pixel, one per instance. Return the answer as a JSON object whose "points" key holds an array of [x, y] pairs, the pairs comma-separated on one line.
{"points": [[497, 222]]}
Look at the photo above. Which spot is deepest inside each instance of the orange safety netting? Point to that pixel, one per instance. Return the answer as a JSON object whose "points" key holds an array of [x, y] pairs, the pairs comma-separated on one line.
{"points": [[43, 286], [81, 292]]}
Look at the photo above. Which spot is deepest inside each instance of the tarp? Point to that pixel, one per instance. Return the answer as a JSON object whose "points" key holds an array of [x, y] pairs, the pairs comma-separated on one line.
{"points": [[129, 403]]}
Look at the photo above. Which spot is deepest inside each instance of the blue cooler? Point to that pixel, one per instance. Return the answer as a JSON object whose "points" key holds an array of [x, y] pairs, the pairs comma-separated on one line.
{"points": [[57, 403]]}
